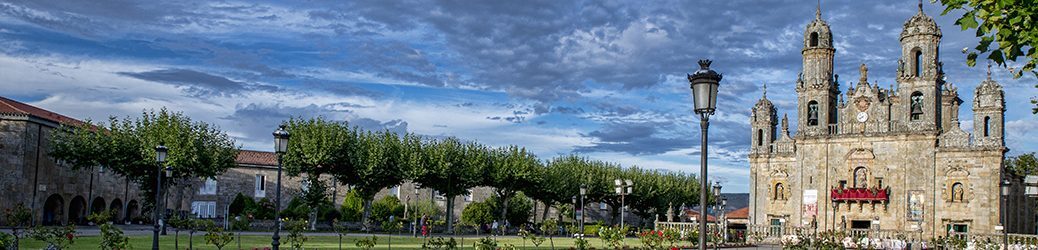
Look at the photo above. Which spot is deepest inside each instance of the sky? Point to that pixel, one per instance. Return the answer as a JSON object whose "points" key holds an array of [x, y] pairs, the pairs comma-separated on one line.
{"points": [[603, 79]]}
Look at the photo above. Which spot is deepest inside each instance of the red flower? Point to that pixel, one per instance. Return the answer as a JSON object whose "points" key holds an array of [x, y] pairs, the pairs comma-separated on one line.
{"points": [[69, 236], [660, 233]]}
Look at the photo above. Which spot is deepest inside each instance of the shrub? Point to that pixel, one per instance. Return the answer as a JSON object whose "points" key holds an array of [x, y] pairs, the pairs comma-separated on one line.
{"points": [[388, 206], [367, 242], [519, 208], [352, 207], [111, 236], [441, 243], [264, 209], [477, 213], [486, 243], [58, 237], [612, 236], [295, 233]]}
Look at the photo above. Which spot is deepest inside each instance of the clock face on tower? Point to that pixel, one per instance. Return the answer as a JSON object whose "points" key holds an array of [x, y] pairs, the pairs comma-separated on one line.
{"points": [[862, 116]]}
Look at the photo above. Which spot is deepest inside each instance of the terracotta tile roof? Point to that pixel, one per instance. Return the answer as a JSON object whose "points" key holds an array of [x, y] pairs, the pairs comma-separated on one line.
{"points": [[12, 107], [742, 213], [694, 215], [252, 157]]}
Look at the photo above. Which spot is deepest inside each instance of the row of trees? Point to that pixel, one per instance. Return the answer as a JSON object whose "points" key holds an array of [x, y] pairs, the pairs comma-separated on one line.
{"points": [[372, 161], [366, 161]]}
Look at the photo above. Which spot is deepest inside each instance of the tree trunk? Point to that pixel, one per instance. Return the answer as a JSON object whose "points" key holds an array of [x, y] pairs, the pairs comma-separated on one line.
{"points": [[191, 240], [450, 214], [176, 239], [365, 218], [504, 212], [544, 216]]}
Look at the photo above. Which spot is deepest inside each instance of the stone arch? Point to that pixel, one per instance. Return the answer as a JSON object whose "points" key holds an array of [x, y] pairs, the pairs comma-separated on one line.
{"points": [[53, 210], [814, 39], [98, 205], [812, 113], [116, 208], [780, 191], [987, 125], [132, 210], [915, 107], [957, 192], [760, 137], [917, 62], [77, 210], [860, 177]]}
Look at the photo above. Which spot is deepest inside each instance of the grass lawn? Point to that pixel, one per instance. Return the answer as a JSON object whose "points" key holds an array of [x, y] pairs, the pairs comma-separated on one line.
{"points": [[314, 242]]}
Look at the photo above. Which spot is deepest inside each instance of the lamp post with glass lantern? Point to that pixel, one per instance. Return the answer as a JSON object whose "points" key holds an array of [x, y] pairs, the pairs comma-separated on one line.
{"points": [[1005, 215], [160, 158], [704, 83], [724, 220], [623, 188], [280, 147]]}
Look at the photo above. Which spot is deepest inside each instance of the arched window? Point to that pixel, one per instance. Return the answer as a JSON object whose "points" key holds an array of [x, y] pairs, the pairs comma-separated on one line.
{"points": [[956, 192], [780, 192], [917, 61], [760, 137], [812, 113], [814, 39], [916, 106], [861, 178], [987, 125]]}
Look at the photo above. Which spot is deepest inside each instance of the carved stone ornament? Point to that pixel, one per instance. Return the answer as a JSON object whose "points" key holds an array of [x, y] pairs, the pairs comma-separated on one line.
{"points": [[862, 103]]}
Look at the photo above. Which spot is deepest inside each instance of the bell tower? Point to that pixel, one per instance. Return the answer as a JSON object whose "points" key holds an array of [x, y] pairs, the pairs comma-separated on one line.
{"points": [[919, 74], [817, 90], [763, 119], [989, 110]]}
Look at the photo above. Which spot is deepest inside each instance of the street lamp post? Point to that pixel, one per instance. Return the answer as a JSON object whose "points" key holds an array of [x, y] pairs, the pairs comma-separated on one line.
{"points": [[1005, 215], [160, 158], [583, 192], [280, 147], [717, 196], [623, 188], [704, 83], [724, 220]]}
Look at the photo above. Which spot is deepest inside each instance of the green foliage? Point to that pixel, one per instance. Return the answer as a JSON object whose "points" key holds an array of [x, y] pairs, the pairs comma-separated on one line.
{"points": [[477, 213], [549, 227], [419, 208], [296, 238], [127, 148], [352, 207], [6, 241], [318, 147], [388, 206], [57, 237], [519, 210], [380, 160], [612, 236], [216, 236], [240, 223], [242, 205], [367, 242], [111, 237], [1011, 25], [451, 168], [486, 243], [18, 216], [1008, 29], [581, 243], [1022, 165], [264, 209], [441, 243]]}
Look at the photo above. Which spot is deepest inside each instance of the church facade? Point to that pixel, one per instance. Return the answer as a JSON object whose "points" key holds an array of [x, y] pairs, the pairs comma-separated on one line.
{"points": [[874, 158]]}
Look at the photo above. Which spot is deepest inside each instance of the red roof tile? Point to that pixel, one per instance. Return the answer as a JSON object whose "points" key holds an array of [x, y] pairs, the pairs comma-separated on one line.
{"points": [[260, 158], [8, 106], [694, 215], [742, 213]]}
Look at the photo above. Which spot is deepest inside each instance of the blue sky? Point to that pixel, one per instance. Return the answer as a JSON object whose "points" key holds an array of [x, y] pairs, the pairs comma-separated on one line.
{"points": [[604, 79]]}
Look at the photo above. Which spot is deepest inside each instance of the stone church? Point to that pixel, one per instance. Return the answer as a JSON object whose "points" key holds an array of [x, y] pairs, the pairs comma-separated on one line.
{"points": [[872, 158]]}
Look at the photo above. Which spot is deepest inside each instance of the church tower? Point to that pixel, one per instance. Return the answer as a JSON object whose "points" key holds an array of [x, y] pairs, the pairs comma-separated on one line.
{"points": [[763, 121], [989, 107], [920, 76], [816, 87]]}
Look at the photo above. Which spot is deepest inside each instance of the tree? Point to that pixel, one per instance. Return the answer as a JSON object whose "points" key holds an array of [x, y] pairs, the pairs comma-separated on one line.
{"points": [[127, 148], [352, 207], [1022, 165], [380, 161], [510, 170], [388, 206], [1011, 24], [451, 168]]}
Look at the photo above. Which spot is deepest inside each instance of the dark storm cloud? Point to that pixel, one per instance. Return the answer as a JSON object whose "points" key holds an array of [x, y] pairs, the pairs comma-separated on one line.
{"points": [[199, 83], [634, 138]]}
